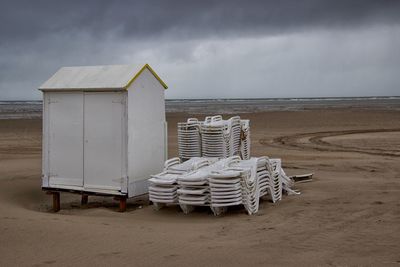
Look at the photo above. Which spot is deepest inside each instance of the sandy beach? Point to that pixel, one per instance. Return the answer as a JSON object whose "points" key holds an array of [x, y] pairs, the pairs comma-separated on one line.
{"points": [[349, 215]]}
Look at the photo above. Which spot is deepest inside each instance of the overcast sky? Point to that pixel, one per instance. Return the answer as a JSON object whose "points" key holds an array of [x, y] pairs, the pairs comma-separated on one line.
{"points": [[209, 49]]}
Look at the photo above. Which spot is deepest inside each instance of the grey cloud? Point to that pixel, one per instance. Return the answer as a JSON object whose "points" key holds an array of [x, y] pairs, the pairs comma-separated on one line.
{"points": [[199, 46], [187, 19], [299, 65]]}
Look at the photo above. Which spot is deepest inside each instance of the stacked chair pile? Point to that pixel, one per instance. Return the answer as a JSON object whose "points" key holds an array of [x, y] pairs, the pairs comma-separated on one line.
{"points": [[286, 183], [257, 183], [214, 169], [194, 187], [226, 189], [218, 184], [189, 139], [214, 137], [220, 138], [245, 139], [163, 186]]}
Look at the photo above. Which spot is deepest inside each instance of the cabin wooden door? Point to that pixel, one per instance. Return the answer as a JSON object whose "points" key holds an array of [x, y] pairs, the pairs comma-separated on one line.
{"points": [[64, 129], [104, 160]]}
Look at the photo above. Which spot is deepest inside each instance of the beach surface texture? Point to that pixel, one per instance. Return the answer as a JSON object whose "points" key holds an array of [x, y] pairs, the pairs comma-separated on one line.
{"points": [[349, 215]]}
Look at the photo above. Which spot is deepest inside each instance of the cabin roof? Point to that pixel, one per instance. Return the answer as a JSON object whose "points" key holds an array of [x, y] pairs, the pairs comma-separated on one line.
{"points": [[114, 77]]}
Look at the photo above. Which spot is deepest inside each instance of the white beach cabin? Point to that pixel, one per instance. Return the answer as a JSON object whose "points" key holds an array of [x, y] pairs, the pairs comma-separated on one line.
{"points": [[104, 130]]}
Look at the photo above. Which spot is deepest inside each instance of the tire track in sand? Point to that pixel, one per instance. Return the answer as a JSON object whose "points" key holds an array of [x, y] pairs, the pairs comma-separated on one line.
{"points": [[315, 141]]}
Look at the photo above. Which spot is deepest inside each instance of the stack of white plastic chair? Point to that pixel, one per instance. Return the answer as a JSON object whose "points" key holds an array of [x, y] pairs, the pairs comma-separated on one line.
{"points": [[220, 138], [225, 187], [219, 183], [264, 176], [287, 184], [245, 139], [163, 186], [276, 179], [194, 189], [189, 139], [235, 135], [255, 182], [214, 137]]}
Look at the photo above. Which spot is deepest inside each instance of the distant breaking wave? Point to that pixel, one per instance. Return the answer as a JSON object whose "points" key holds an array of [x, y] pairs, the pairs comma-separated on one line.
{"points": [[33, 109]]}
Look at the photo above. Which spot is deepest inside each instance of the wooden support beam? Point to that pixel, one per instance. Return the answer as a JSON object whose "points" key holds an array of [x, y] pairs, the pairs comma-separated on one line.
{"points": [[122, 204], [85, 199], [56, 201]]}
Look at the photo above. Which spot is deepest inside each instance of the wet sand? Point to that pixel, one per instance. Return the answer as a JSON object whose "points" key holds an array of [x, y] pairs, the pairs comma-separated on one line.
{"points": [[348, 216]]}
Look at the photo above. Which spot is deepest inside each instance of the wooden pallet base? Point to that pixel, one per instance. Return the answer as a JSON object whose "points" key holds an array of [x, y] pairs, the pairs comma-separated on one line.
{"points": [[84, 200]]}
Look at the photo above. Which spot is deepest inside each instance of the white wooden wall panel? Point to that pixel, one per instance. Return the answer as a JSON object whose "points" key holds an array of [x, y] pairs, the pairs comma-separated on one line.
{"points": [[103, 140], [146, 128], [65, 139]]}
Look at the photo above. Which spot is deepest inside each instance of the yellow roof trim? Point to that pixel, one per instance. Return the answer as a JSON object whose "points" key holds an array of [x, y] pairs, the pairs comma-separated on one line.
{"points": [[147, 66]]}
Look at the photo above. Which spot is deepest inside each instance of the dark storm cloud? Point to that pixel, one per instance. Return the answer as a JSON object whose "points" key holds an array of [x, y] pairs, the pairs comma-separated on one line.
{"points": [[22, 20], [185, 40]]}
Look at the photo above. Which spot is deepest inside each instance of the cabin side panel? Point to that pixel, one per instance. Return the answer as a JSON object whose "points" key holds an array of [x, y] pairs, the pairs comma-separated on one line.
{"points": [[45, 139], [146, 131]]}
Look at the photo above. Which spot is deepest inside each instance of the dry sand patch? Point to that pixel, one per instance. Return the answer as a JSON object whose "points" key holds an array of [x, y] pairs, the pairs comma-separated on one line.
{"points": [[349, 214]]}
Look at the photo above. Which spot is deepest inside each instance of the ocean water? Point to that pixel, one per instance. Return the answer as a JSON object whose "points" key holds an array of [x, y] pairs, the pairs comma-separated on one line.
{"points": [[20, 109], [233, 106], [33, 109]]}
